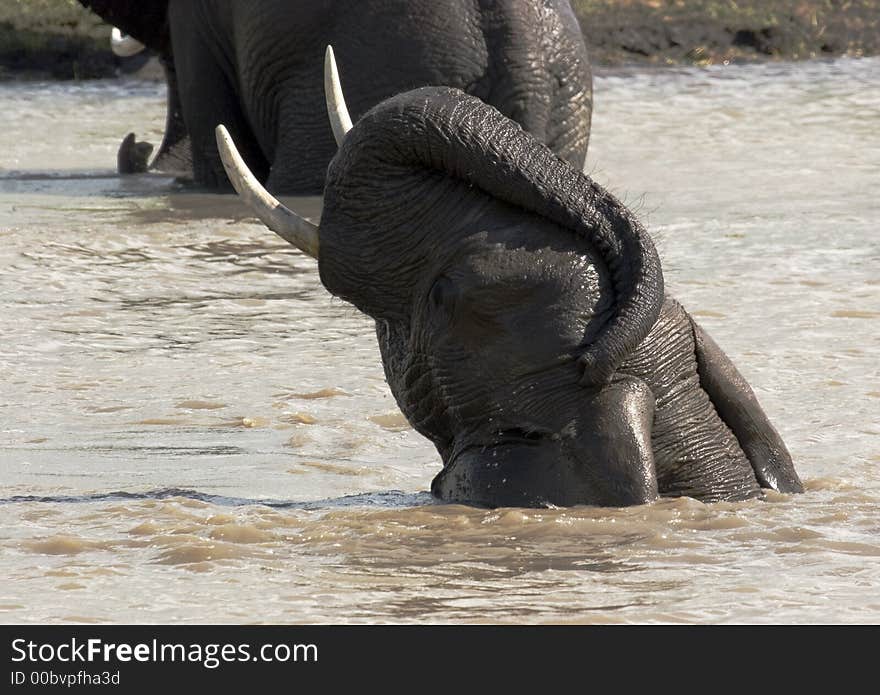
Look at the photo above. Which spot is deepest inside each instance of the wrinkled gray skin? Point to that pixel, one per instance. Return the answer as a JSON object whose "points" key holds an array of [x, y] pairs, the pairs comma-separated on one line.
{"points": [[256, 67], [522, 320]]}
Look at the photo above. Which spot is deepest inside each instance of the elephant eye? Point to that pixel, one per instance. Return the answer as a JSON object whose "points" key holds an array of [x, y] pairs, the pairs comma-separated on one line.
{"points": [[442, 294]]}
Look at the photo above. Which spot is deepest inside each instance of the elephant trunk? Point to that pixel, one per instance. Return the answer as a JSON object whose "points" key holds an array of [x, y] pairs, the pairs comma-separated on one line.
{"points": [[446, 131]]}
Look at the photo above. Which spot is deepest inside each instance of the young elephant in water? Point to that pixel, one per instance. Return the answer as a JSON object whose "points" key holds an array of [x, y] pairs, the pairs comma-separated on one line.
{"points": [[521, 317]]}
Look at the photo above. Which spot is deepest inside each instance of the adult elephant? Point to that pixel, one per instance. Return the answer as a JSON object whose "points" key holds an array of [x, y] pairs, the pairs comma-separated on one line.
{"points": [[521, 316], [257, 68]]}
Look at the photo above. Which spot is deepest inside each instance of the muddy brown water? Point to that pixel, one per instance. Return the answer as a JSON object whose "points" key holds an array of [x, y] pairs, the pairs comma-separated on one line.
{"points": [[192, 430]]}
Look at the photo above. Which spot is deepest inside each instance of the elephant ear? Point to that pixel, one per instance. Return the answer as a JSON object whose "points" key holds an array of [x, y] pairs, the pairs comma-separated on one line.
{"points": [[447, 132], [145, 20]]}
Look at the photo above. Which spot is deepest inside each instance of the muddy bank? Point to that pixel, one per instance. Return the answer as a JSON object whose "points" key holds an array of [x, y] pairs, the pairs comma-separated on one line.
{"points": [[703, 32], [53, 39], [58, 39]]}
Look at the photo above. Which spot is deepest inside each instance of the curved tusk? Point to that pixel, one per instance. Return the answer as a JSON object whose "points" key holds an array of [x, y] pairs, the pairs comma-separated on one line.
{"points": [[337, 111], [124, 45], [276, 216]]}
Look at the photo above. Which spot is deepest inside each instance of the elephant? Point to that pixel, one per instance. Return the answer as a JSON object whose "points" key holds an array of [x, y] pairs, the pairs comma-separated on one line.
{"points": [[256, 68], [521, 316]]}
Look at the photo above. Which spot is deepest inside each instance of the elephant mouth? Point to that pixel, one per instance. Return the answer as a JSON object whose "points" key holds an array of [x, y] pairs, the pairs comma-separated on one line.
{"points": [[483, 447], [519, 468], [521, 437]]}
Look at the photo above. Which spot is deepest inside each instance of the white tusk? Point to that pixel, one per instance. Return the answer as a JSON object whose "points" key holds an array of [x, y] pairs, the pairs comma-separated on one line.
{"points": [[275, 215], [337, 111], [124, 45]]}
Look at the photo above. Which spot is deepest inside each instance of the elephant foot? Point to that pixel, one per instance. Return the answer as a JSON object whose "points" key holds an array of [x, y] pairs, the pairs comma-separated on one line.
{"points": [[133, 157]]}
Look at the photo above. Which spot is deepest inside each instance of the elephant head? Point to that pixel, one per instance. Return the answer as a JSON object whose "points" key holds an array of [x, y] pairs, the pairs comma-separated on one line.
{"points": [[145, 21], [507, 287]]}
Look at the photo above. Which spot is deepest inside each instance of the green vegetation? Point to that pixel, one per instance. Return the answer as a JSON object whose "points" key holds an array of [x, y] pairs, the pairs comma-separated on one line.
{"points": [[60, 39], [52, 38]]}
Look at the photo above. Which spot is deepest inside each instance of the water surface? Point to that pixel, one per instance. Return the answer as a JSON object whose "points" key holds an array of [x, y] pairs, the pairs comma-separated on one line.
{"points": [[193, 430]]}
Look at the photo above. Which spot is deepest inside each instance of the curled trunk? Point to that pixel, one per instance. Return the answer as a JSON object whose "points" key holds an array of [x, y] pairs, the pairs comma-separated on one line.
{"points": [[445, 131]]}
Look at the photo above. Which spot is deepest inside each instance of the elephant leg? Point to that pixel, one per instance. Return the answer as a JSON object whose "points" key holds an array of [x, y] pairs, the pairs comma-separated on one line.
{"points": [[739, 409], [175, 154], [304, 144], [209, 97]]}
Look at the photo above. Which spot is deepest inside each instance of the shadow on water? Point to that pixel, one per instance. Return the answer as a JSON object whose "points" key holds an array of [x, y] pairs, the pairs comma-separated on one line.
{"points": [[17, 175], [265, 254], [182, 201], [103, 182], [389, 499], [154, 201]]}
